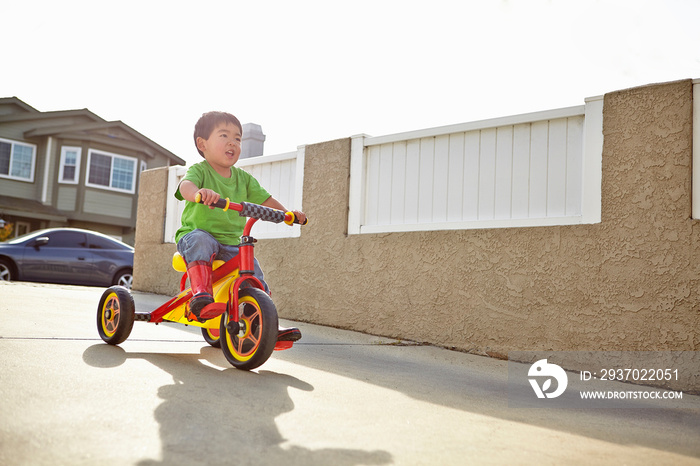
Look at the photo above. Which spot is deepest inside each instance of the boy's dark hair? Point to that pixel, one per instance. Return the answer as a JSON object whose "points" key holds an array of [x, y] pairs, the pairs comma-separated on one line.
{"points": [[210, 120]]}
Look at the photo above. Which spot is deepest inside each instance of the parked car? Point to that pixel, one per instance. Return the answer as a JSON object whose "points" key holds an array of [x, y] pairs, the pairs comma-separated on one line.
{"points": [[67, 255]]}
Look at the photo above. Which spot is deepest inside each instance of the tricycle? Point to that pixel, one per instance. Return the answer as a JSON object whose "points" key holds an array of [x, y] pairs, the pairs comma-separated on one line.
{"points": [[242, 320]]}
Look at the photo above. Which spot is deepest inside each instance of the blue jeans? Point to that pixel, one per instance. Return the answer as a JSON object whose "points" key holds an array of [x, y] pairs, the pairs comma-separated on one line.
{"points": [[200, 245]]}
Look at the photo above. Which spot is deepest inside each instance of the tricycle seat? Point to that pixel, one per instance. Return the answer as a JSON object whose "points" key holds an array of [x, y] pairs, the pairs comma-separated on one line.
{"points": [[180, 265]]}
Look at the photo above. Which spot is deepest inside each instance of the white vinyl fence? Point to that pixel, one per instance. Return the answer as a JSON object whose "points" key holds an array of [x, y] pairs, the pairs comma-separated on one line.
{"points": [[283, 177], [535, 169], [528, 170]]}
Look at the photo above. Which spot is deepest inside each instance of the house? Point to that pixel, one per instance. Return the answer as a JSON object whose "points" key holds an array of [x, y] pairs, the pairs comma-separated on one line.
{"points": [[72, 168]]}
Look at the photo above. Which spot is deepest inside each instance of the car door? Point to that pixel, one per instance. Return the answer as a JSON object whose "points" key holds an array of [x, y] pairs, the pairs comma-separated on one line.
{"points": [[106, 258], [58, 257]]}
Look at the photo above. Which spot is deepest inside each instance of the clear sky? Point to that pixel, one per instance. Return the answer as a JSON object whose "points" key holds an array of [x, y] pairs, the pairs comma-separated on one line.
{"points": [[312, 71]]}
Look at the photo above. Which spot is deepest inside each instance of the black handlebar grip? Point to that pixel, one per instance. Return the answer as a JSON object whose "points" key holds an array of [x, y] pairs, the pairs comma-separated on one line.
{"points": [[221, 203]]}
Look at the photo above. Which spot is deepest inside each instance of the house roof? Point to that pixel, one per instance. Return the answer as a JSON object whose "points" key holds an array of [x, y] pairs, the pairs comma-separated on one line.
{"points": [[82, 124], [15, 102], [30, 208]]}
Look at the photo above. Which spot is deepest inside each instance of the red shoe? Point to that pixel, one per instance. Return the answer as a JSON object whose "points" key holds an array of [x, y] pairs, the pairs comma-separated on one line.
{"points": [[288, 334], [200, 274], [286, 338]]}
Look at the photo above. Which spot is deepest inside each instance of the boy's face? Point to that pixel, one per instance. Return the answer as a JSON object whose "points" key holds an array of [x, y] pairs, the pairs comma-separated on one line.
{"points": [[222, 148]]}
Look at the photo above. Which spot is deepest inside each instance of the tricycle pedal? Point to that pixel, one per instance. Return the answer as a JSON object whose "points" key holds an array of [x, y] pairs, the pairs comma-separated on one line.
{"points": [[211, 311], [283, 345]]}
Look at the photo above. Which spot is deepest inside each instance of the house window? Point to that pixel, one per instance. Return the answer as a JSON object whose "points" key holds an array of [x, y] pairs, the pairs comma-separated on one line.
{"points": [[17, 160], [21, 228], [111, 171], [70, 165]]}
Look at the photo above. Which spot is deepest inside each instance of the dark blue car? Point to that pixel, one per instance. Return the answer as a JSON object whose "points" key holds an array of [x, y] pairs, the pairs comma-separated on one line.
{"points": [[67, 255]]}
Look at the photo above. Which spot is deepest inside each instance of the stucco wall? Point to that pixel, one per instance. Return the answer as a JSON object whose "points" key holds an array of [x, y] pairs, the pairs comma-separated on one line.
{"points": [[153, 271], [629, 283]]}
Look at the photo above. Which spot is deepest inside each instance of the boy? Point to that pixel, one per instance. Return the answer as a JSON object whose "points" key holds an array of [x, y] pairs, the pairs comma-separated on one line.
{"points": [[207, 234]]}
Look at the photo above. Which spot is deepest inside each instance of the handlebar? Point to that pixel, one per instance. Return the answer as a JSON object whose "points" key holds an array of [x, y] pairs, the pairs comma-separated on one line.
{"points": [[246, 209]]}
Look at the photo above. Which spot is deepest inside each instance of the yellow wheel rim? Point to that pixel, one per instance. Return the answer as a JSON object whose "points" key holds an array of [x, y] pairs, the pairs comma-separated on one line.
{"points": [[244, 347], [110, 315]]}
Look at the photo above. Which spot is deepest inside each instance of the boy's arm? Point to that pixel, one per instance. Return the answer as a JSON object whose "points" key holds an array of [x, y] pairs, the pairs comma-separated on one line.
{"points": [[275, 204], [189, 191]]}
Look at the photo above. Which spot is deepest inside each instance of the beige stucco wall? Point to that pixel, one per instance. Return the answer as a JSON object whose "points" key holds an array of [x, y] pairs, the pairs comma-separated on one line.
{"points": [[628, 283], [153, 271]]}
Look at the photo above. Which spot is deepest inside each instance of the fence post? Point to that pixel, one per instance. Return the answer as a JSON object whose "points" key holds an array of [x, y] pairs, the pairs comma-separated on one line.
{"points": [[357, 173]]}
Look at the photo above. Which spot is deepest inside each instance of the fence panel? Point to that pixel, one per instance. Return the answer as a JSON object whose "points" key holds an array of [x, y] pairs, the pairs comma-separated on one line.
{"points": [[525, 170]]}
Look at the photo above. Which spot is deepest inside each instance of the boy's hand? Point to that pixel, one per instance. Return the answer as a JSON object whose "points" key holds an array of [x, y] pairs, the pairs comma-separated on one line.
{"points": [[300, 216], [275, 204], [209, 197]]}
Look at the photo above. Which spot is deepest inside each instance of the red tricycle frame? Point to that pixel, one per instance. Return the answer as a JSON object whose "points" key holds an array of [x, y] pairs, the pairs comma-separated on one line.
{"points": [[242, 320]]}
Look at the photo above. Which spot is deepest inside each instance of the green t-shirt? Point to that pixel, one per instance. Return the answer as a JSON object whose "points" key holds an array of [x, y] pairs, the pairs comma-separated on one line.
{"points": [[226, 227]]}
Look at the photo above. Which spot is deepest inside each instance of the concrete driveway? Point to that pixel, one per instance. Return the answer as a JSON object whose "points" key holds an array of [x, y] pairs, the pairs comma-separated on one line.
{"points": [[337, 398]]}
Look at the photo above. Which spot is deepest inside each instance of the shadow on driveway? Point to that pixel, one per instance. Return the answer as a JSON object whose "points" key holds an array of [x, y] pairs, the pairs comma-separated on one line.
{"points": [[211, 415]]}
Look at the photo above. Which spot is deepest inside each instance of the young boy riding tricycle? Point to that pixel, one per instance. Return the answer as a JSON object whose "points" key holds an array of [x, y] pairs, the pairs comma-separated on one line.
{"points": [[228, 296]]}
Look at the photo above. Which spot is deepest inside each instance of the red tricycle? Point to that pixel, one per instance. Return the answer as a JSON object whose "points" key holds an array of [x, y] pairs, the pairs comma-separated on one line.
{"points": [[242, 320]]}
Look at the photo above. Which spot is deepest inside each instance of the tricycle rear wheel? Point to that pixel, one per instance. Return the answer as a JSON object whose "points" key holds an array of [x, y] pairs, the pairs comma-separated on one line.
{"points": [[211, 336], [248, 343], [115, 315]]}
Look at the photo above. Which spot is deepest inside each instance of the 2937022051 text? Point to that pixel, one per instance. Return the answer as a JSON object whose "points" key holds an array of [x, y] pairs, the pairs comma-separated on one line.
{"points": [[635, 375]]}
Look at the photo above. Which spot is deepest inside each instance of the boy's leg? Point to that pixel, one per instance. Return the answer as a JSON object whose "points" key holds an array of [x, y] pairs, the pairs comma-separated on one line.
{"points": [[258, 273], [197, 248], [198, 245]]}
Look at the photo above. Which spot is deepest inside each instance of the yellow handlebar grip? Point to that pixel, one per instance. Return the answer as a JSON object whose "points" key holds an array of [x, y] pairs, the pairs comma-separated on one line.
{"points": [[291, 216]]}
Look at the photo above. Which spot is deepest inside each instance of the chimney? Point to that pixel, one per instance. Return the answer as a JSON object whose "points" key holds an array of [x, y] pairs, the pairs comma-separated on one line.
{"points": [[253, 141]]}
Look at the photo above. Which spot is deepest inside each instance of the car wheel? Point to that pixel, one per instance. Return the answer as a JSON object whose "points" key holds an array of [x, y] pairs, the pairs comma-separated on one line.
{"points": [[6, 271], [124, 278]]}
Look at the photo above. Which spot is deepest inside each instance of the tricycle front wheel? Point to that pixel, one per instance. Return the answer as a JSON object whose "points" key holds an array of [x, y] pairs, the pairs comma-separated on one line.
{"points": [[115, 315], [248, 343]]}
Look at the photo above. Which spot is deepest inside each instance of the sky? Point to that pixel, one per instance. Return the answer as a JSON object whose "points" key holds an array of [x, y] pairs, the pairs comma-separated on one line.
{"points": [[311, 71]]}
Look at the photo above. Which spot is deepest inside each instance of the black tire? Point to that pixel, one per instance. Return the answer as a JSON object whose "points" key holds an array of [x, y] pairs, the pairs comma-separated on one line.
{"points": [[124, 278], [7, 271], [115, 315], [256, 340], [211, 336]]}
